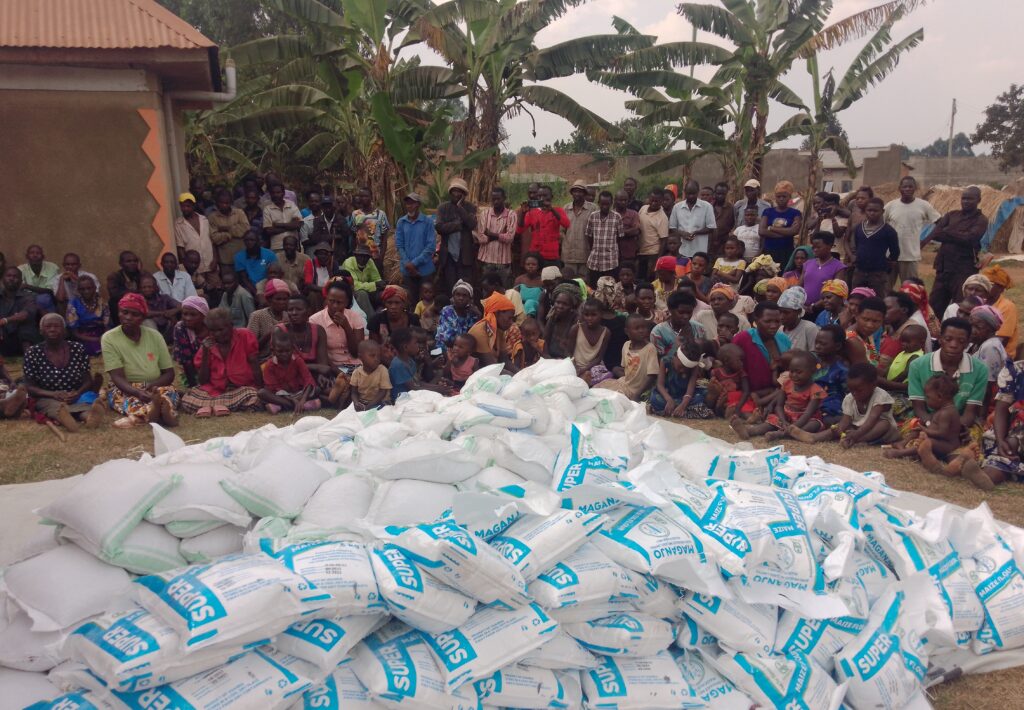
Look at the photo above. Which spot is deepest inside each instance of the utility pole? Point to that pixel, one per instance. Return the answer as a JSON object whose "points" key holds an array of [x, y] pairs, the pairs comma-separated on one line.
{"points": [[949, 147]]}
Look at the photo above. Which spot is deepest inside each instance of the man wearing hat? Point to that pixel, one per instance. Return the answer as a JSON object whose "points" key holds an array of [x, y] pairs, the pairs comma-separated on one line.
{"points": [[752, 198], [456, 219], [366, 280], [192, 231], [415, 242], [574, 244]]}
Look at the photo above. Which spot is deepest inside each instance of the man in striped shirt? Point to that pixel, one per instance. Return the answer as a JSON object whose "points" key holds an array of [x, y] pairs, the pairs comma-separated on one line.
{"points": [[604, 231], [496, 229]]}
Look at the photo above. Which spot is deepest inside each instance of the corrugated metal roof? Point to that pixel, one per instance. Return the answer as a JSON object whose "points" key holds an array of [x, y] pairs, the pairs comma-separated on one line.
{"points": [[95, 24]]}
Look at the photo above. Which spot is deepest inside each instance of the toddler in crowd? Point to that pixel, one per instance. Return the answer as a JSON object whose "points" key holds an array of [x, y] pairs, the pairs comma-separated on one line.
{"points": [[371, 383], [912, 340], [627, 282], [749, 233], [589, 340], [432, 313], [936, 440], [728, 327], [287, 382], [698, 275], [676, 393], [532, 285], [639, 370], [796, 404], [665, 280], [730, 266], [867, 413], [831, 372], [533, 344], [729, 389], [461, 363], [427, 293]]}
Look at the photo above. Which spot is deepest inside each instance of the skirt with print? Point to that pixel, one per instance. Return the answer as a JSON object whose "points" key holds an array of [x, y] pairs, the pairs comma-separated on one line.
{"points": [[130, 406]]}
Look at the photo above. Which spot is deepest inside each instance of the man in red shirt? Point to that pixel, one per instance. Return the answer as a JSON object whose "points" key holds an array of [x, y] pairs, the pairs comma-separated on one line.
{"points": [[542, 229]]}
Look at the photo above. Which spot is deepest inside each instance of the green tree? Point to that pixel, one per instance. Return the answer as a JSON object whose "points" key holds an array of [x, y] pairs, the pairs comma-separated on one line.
{"points": [[230, 22], [832, 128], [1003, 127], [939, 148], [528, 150]]}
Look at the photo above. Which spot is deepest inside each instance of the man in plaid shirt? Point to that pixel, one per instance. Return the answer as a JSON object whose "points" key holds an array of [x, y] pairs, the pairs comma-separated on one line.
{"points": [[604, 230]]}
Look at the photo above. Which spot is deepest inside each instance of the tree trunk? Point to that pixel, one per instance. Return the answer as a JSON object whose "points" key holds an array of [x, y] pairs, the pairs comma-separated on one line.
{"points": [[485, 133], [812, 188]]}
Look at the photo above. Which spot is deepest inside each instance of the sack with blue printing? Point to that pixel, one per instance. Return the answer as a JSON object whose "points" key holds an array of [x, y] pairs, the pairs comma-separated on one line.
{"points": [[701, 509], [587, 575], [594, 456], [749, 466], [832, 505], [884, 666], [653, 596], [341, 690], [523, 687], [398, 669], [633, 634], [822, 639], [489, 640], [792, 681], [450, 553], [325, 642], [895, 538], [535, 542], [265, 492], [737, 624], [415, 597], [83, 700], [561, 652], [711, 687], [489, 513], [592, 611], [341, 569], [263, 678], [237, 596], [649, 541], [690, 636], [651, 682], [135, 650], [874, 576]]}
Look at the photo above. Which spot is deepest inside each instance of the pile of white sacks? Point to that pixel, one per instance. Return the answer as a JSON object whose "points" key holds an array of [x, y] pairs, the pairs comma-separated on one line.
{"points": [[531, 543]]}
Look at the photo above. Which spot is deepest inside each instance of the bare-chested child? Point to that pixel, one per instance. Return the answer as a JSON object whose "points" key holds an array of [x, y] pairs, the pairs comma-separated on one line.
{"points": [[940, 435]]}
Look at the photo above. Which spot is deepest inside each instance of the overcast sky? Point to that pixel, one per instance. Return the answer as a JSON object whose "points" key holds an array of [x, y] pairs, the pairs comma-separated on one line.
{"points": [[971, 52]]}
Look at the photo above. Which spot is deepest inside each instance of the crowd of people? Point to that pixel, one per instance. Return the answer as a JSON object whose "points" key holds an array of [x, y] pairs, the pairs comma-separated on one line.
{"points": [[700, 306]]}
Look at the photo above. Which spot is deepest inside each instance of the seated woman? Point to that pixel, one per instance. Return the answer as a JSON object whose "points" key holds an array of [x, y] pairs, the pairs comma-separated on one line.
{"points": [[343, 329], [310, 343], [264, 321], [228, 370], [140, 368], [491, 333], [1002, 444], [456, 319], [164, 311], [189, 334], [88, 316], [396, 314], [58, 377]]}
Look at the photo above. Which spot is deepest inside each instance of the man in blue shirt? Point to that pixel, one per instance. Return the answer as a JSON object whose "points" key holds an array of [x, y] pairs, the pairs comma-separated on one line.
{"points": [[415, 241], [251, 263]]}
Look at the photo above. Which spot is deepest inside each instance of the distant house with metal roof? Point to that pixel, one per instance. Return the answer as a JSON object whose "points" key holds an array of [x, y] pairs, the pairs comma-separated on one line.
{"points": [[91, 101], [875, 166]]}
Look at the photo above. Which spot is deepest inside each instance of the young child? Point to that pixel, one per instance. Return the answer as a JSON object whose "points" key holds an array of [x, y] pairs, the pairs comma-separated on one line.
{"points": [[427, 294], [627, 282], [647, 304], [12, 399], [699, 264], [729, 390], [675, 393], [728, 327], [461, 363], [797, 403], [749, 233], [912, 340], [665, 280], [561, 320], [431, 314], [533, 343], [531, 286], [831, 372], [936, 441], [589, 340], [730, 266], [867, 413], [287, 383], [639, 370], [371, 381]]}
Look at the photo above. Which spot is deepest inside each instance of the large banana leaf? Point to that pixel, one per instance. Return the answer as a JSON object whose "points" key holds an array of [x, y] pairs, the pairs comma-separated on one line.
{"points": [[801, 124], [278, 49], [554, 101], [311, 12], [857, 25], [718, 21], [581, 54], [289, 95], [269, 120], [673, 54], [637, 83], [370, 16], [852, 88], [425, 83], [786, 96], [675, 159]]}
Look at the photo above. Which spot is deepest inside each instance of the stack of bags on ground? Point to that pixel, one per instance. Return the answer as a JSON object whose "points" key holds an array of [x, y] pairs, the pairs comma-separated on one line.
{"points": [[531, 543]]}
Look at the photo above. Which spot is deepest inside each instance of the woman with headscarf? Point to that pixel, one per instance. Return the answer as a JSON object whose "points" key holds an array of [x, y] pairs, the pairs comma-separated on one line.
{"points": [[975, 285], [228, 370], [924, 316], [140, 367], [1001, 282], [396, 314], [457, 318], [800, 332], [609, 294], [262, 322], [833, 302], [562, 316], [88, 317], [189, 334], [490, 333], [985, 343], [780, 223], [58, 377], [723, 299], [794, 270]]}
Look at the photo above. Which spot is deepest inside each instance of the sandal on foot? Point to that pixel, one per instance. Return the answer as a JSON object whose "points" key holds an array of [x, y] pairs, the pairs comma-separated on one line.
{"points": [[219, 410], [203, 413]]}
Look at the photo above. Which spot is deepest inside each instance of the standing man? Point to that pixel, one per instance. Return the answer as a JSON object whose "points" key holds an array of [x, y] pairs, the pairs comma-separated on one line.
{"points": [[692, 220], [725, 220], [574, 242], [543, 227], [376, 229], [630, 186], [192, 231], [908, 216], [496, 230], [959, 232], [604, 233], [228, 225], [653, 232], [456, 221], [332, 227], [629, 243], [281, 217], [314, 209], [877, 246], [67, 282], [415, 243], [40, 277], [751, 198]]}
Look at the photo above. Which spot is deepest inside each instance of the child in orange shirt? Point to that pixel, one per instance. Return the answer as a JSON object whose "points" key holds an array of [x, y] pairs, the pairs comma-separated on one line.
{"points": [[797, 403]]}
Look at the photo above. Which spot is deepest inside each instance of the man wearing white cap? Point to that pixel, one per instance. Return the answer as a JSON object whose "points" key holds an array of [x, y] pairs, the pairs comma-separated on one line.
{"points": [[455, 221], [752, 198], [575, 250]]}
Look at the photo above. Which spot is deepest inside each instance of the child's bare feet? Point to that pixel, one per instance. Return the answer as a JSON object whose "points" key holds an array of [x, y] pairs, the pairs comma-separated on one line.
{"points": [[976, 475], [775, 435], [799, 434], [894, 453], [932, 463], [15, 402], [740, 427]]}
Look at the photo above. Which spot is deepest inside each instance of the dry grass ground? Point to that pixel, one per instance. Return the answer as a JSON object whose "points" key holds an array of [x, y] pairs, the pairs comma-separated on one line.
{"points": [[32, 453]]}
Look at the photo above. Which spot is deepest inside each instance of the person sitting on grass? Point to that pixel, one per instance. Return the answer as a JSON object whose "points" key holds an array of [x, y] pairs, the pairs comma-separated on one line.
{"points": [[228, 370], [403, 368], [371, 383], [729, 268], [12, 397], [59, 379], [860, 338], [647, 304], [88, 316], [461, 363], [164, 311], [763, 347], [937, 439], [589, 340], [796, 405], [833, 303], [912, 339], [561, 318], [676, 393], [533, 343], [287, 383], [832, 371], [867, 414], [639, 370], [728, 326], [1002, 445], [531, 285], [729, 389], [366, 280], [140, 367]]}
